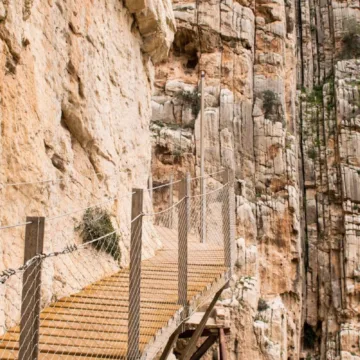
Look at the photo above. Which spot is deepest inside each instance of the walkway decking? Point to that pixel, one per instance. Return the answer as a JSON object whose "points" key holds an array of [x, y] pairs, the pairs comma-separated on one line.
{"points": [[93, 323]]}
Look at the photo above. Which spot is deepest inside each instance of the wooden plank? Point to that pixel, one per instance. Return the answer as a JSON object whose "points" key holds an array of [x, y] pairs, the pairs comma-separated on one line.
{"points": [[30, 301], [111, 353], [119, 342], [61, 320], [113, 315], [133, 351], [146, 307]]}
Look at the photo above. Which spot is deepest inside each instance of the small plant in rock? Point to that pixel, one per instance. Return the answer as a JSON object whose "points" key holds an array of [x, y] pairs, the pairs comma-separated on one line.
{"points": [[176, 152], [316, 96], [351, 40], [262, 305], [190, 98], [312, 153], [96, 223], [259, 317], [270, 99]]}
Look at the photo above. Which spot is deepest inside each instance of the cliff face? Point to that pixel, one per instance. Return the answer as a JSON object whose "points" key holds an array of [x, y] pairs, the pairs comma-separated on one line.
{"points": [[281, 110], [78, 90], [69, 112]]}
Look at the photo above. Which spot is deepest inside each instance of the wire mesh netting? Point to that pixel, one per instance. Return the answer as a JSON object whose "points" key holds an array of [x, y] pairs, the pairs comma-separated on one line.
{"points": [[120, 292]]}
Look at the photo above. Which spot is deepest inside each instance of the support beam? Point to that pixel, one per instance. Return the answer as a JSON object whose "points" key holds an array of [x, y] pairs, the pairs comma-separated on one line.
{"points": [[191, 346], [204, 347], [171, 201], [222, 345], [202, 161], [31, 291], [171, 342], [183, 229], [133, 350], [151, 191]]}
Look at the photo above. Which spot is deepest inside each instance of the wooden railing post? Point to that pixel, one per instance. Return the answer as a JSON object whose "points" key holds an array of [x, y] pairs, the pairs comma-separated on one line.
{"points": [[31, 290], [227, 218], [151, 191], [183, 229], [171, 201], [203, 210], [133, 350]]}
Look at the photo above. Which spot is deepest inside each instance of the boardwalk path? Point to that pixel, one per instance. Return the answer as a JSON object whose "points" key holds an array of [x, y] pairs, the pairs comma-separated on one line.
{"points": [[93, 323]]}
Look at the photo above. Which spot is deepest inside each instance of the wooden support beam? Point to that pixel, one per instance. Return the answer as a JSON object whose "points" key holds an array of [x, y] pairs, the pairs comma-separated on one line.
{"points": [[204, 347], [191, 346], [183, 229], [171, 342], [133, 350], [31, 290], [203, 211], [171, 201], [226, 220], [151, 191]]}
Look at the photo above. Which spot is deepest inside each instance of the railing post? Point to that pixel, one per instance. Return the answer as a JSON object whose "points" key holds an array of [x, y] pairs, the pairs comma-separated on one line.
{"points": [[228, 218], [31, 290], [203, 210], [133, 350], [171, 201], [202, 161], [151, 191], [183, 229]]}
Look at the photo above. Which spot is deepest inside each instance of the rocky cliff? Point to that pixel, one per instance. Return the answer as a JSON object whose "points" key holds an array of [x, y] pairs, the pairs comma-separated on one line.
{"points": [[74, 126], [281, 110], [81, 84]]}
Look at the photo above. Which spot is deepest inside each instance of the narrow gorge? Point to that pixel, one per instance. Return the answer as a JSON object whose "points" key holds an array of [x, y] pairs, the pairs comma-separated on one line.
{"points": [[98, 96]]}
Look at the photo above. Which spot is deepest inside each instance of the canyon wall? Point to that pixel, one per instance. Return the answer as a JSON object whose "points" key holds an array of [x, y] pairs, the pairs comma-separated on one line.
{"points": [[78, 88], [74, 127], [281, 109]]}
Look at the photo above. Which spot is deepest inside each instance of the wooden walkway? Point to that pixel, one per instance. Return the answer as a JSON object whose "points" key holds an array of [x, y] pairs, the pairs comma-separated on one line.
{"points": [[93, 323]]}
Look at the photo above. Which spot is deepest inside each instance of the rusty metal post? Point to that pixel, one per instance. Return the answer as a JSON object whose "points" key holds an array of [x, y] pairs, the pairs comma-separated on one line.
{"points": [[133, 350], [171, 201], [228, 218], [222, 342], [151, 191], [202, 162], [31, 290], [183, 229]]}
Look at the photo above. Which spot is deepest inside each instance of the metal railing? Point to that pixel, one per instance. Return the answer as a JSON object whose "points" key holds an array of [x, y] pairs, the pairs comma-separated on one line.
{"points": [[83, 301]]}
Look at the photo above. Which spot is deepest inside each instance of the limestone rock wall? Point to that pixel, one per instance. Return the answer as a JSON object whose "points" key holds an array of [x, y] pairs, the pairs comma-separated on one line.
{"points": [[75, 85], [281, 110], [248, 53]]}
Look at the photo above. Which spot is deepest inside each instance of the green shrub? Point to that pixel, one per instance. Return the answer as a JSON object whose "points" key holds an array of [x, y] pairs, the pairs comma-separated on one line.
{"points": [[351, 40], [316, 96], [312, 153], [191, 98], [262, 305], [96, 223]]}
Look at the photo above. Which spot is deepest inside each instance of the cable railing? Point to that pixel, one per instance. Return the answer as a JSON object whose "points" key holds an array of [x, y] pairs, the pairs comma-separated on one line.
{"points": [[116, 292]]}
